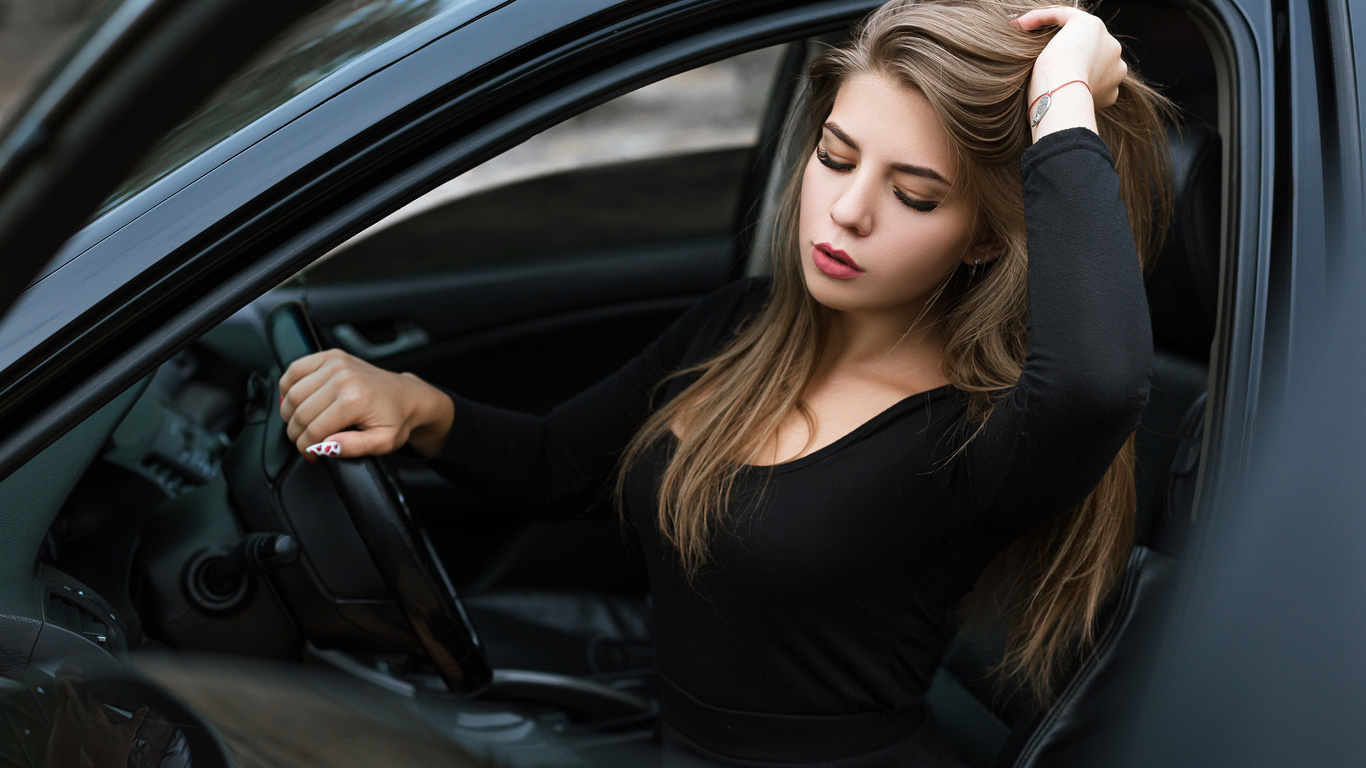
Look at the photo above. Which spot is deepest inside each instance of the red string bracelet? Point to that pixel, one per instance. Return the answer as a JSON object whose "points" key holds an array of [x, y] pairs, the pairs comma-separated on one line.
{"points": [[1045, 99]]}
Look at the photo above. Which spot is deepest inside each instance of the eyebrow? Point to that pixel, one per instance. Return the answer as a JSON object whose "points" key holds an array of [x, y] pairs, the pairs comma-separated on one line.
{"points": [[914, 170]]}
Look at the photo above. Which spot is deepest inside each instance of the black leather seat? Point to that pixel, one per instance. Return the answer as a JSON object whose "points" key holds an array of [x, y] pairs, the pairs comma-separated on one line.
{"points": [[992, 728]]}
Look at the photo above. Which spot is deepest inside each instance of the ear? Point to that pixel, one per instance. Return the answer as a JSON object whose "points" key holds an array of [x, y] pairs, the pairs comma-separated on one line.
{"points": [[987, 248]]}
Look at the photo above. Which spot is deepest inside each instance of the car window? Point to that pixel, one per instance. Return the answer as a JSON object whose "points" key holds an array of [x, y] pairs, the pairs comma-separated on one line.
{"points": [[317, 46], [663, 163]]}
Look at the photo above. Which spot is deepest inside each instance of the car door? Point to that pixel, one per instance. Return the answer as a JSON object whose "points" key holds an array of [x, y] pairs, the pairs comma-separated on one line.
{"points": [[626, 289], [536, 274], [192, 242], [140, 70], [140, 265], [137, 72]]}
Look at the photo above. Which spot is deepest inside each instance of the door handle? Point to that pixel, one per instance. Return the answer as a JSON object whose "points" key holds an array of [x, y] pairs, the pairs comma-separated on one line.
{"points": [[353, 341]]}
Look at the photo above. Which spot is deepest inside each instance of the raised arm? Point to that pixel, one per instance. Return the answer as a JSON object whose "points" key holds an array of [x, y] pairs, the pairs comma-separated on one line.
{"points": [[1085, 377]]}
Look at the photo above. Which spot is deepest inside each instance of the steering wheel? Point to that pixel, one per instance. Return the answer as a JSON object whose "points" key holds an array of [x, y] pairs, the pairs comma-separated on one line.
{"points": [[395, 539]]}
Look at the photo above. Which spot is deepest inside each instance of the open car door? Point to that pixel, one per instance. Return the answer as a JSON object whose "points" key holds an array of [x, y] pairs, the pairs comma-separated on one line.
{"points": [[140, 69]]}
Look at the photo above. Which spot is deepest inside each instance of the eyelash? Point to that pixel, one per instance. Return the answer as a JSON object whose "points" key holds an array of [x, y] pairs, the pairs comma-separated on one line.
{"points": [[824, 157], [924, 206]]}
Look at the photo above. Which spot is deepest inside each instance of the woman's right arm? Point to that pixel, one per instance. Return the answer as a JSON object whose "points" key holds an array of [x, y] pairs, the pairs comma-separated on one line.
{"points": [[332, 396]]}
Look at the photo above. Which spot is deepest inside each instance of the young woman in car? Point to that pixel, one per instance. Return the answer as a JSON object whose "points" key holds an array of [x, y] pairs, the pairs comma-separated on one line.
{"points": [[935, 390]]}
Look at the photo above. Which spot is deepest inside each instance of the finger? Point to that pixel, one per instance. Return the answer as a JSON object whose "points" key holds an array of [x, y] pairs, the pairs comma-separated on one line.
{"points": [[314, 404], [1053, 16], [366, 442], [309, 386], [301, 368], [349, 409], [336, 415], [346, 400], [332, 364]]}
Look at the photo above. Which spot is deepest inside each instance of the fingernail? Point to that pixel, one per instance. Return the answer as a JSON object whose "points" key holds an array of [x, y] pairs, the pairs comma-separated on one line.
{"points": [[325, 448], [1012, 15], [282, 399]]}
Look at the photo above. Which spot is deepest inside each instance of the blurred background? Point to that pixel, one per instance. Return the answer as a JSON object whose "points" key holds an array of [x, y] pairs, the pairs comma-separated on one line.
{"points": [[33, 33]]}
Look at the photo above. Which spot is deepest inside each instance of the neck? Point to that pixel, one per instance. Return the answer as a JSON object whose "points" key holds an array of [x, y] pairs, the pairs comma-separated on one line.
{"points": [[885, 339]]}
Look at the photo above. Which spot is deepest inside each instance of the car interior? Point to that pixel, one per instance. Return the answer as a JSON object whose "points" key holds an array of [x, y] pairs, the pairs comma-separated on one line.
{"points": [[177, 518]]}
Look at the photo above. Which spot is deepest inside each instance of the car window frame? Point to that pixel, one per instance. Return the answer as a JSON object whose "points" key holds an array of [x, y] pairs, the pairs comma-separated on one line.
{"points": [[334, 84]]}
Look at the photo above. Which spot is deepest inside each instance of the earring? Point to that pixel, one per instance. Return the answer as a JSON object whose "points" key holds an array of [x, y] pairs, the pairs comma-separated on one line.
{"points": [[972, 271]]}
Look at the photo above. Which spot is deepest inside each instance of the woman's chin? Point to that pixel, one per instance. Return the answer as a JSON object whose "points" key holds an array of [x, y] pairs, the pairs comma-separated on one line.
{"points": [[840, 295], [853, 296]]}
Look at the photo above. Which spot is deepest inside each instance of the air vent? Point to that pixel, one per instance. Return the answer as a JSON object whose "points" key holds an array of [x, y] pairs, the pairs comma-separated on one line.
{"points": [[69, 615]]}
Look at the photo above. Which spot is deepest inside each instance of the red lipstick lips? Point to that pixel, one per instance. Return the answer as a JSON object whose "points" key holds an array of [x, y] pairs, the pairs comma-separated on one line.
{"points": [[834, 262]]}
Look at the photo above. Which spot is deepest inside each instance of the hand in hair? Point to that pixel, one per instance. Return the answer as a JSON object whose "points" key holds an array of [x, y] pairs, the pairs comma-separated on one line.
{"points": [[326, 393], [1081, 49]]}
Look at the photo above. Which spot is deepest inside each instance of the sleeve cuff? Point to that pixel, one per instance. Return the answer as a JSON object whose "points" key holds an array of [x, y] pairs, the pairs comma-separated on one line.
{"points": [[1060, 142]]}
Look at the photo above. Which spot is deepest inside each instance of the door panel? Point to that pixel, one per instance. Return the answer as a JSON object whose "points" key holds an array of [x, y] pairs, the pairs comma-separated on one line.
{"points": [[497, 334]]}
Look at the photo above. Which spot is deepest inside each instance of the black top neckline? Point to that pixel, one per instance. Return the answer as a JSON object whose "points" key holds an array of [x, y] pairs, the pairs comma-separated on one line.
{"points": [[893, 411]]}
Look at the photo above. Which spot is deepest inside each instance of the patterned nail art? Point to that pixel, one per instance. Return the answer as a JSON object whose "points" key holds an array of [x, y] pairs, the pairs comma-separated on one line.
{"points": [[325, 448]]}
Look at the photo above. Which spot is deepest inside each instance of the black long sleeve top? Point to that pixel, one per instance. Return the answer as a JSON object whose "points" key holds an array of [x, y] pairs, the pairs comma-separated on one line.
{"points": [[833, 590]]}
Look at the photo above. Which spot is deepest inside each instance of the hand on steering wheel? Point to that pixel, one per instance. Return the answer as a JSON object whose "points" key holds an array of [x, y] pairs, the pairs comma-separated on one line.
{"points": [[327, 392], [334, 397]]}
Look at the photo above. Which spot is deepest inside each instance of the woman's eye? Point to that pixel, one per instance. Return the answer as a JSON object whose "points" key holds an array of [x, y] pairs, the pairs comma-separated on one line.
{"points": [[924, 206], [826, 161]]}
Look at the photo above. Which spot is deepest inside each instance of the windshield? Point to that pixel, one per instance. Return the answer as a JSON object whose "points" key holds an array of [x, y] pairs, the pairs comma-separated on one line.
{"points": [[322, 43]]}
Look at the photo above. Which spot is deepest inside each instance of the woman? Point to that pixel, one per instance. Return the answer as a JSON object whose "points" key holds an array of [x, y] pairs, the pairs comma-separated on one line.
{"points": [[935, 390]]}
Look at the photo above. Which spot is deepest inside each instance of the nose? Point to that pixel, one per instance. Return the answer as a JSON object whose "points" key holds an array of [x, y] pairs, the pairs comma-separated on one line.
{"points": [[853, 209]]}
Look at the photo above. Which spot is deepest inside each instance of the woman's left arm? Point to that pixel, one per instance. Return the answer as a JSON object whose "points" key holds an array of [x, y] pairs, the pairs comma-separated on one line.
{"points": [[1085, 377]]}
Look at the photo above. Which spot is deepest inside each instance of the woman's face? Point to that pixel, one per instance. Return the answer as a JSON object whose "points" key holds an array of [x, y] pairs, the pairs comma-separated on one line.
{"points": [[882, 219]]}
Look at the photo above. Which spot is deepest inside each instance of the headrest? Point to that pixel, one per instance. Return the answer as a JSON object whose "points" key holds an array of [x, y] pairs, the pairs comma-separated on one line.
{"points": [[1183, 284]]}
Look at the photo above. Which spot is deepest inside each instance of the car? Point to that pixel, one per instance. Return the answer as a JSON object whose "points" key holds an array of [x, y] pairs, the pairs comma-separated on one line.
{"points": [[465, 189]]}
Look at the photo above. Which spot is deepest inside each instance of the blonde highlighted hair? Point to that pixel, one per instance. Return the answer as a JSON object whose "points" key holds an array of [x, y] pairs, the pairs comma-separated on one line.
{"points": [[973, 66]]}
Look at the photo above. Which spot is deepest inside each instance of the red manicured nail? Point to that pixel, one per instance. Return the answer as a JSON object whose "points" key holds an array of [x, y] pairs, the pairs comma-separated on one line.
{"points": [[330, 448]]}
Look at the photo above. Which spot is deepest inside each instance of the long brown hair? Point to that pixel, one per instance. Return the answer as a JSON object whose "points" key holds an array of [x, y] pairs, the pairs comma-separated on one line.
{"points": [[973, 66]]}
